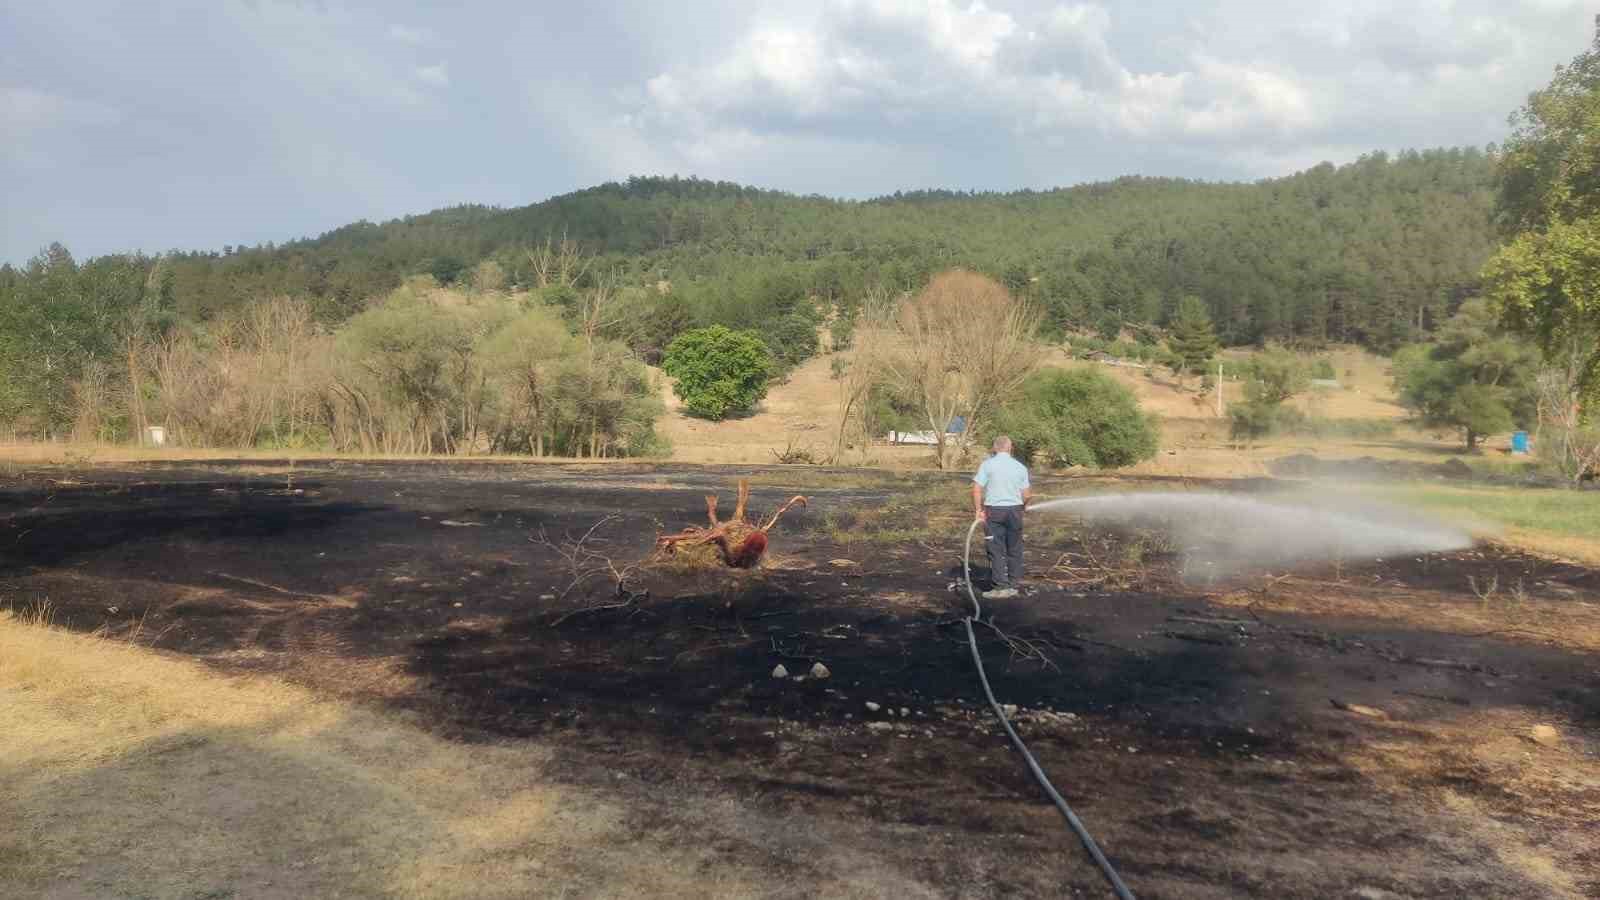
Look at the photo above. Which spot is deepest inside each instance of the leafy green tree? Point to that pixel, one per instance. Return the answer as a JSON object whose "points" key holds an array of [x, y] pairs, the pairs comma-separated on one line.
{"points": [[1191, 338], [1253, 419], [1109, 325], [606, 403], [792, 339], [523, 358], [1475, 377], [1547, 284], [717, 371], [1273, 378], [1076, 417], [1546, 280], [403, 350], [1549, 169], [446, 269], [59, 318], [1480, 409]]}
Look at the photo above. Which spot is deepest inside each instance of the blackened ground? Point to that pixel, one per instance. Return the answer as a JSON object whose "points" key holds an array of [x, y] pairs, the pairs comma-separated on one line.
{"points": [[1211, 749]]}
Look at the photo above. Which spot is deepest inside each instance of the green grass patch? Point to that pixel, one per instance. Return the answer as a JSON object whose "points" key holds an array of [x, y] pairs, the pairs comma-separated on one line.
{"points": [[1570, 513]]}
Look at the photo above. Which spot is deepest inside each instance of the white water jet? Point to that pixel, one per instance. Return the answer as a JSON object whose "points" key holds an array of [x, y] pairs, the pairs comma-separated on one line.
{"points": [[1222, 534]]}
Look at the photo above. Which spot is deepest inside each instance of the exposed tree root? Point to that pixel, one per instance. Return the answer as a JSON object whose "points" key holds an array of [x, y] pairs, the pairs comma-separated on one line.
{"points": [[735, 544]]}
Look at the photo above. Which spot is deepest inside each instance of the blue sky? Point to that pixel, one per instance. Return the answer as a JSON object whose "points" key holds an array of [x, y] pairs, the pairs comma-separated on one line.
{"points": [[151, 126]]}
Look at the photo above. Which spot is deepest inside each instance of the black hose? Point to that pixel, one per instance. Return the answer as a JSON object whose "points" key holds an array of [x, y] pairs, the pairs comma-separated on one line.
{"points": [[1106, 869]]}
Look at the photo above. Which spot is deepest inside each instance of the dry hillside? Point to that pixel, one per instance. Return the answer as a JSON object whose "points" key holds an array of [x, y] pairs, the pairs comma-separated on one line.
{"points": [[803, 412]]}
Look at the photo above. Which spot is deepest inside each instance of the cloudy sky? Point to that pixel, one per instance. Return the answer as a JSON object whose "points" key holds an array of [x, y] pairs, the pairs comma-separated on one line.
{"points": [[152, 125]]}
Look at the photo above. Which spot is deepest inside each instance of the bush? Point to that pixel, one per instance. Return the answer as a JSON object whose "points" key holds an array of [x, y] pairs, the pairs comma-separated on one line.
{"points": [[1259, 418], [843, 330], [1274, 376], [1076, 417], [1574, 452], [1083, 346], [717, 371], [647, 444], [1323, 368]]}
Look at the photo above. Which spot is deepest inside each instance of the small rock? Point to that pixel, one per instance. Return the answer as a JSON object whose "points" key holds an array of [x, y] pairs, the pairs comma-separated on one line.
{"points": [[819, 671], [547, 596], [842, 563], [1545, 735], [457, 603], [1010, 709], [779, 671], [904, 712], [879, 726], [873, 707], [1359, 710]]}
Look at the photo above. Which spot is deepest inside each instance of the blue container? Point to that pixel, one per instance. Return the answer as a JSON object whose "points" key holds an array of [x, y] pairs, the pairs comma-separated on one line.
{"points": [[1519, 442]]}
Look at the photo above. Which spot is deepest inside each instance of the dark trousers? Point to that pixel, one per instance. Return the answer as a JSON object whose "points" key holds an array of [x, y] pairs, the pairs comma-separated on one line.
{"points": [[1003, 539]]}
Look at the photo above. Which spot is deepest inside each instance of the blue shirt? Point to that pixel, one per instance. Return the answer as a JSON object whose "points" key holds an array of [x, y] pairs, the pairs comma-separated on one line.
{"points": [[1003, 480]]}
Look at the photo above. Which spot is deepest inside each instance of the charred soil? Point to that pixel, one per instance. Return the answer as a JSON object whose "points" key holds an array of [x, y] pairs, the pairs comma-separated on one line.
{"points": [[1329, 733]]}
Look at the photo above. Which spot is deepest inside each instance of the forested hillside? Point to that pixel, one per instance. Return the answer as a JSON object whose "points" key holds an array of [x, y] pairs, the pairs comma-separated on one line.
{"points": [[1378, 252], [1367, 252]]}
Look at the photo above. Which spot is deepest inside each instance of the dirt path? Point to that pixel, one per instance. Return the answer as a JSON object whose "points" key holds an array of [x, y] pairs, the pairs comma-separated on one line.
{"points": [[1346, 734]]}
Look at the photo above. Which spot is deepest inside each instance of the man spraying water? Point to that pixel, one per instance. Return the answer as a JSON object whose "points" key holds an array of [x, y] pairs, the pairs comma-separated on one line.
{"points": [[1000, 490]]}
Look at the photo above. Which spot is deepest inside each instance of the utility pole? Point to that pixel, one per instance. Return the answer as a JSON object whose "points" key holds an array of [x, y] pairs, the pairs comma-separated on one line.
{"points": [[1219, 388]]}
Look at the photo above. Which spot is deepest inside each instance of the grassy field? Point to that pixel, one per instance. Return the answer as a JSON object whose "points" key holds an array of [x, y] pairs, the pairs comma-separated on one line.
{"points": [[131, 774], [1551, 520]]}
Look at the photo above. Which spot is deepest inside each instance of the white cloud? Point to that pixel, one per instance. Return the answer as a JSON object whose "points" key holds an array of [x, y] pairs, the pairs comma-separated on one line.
{"points": [[1255, 79], [437, 75], [307, 113]]}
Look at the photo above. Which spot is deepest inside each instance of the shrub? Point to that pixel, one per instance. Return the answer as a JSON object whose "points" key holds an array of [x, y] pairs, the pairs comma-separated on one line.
{"points": [[1077, 417], [647, 444], [1323, 368], [1275, 376], [717, 371], [843, 330], [1261, 417]]}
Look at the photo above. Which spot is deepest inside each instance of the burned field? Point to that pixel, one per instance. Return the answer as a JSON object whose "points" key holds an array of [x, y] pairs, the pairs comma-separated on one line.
{"points": [[1422, 726]]}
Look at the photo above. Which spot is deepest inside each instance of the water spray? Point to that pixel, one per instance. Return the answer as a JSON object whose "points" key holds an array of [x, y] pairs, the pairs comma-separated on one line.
{"points": [[1221, 534]]}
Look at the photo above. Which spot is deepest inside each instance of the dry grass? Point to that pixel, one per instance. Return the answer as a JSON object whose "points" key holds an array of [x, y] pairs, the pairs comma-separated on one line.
{"points": [[127, 773], [1537, 821], [45, 453], [1539, 613]]}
